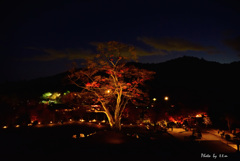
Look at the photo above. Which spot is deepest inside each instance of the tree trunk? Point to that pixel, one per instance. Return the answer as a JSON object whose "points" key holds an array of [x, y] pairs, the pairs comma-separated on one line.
{"points": [[117, 123], [110, 120], [229, 123], [109, 116]]}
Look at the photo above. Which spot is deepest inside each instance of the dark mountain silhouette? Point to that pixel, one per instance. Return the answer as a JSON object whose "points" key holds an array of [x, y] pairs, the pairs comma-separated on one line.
{"points": [[189, 81], [197, 81], [34, 88]]}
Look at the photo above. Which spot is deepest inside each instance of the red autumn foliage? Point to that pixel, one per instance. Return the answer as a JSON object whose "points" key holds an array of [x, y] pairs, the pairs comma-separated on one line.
{"points": [[109, 81]]}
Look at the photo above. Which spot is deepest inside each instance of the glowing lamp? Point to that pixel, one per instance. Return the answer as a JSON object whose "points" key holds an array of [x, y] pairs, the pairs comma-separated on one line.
{"points": [[82, 135], [198, 115], [166, 98], [81, 120]]}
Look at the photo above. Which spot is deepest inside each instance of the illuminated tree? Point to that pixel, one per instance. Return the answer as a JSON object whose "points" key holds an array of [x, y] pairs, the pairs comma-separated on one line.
{"points": [[106, 79]]}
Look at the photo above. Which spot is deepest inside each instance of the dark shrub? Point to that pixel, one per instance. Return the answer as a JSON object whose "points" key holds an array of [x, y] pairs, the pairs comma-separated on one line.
{"points": [[227, 137]]}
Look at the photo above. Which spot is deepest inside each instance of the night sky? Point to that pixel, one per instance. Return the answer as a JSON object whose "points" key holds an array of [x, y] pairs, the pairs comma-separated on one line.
{"points": [[43, 38]]}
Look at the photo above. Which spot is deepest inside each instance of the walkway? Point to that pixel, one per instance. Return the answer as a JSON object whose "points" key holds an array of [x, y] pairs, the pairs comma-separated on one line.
{"points": [[214, 133], [210, 135]]}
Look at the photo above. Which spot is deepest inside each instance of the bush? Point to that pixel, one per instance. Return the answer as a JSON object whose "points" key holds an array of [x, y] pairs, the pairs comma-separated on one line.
{"points": [[227, 137]]}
